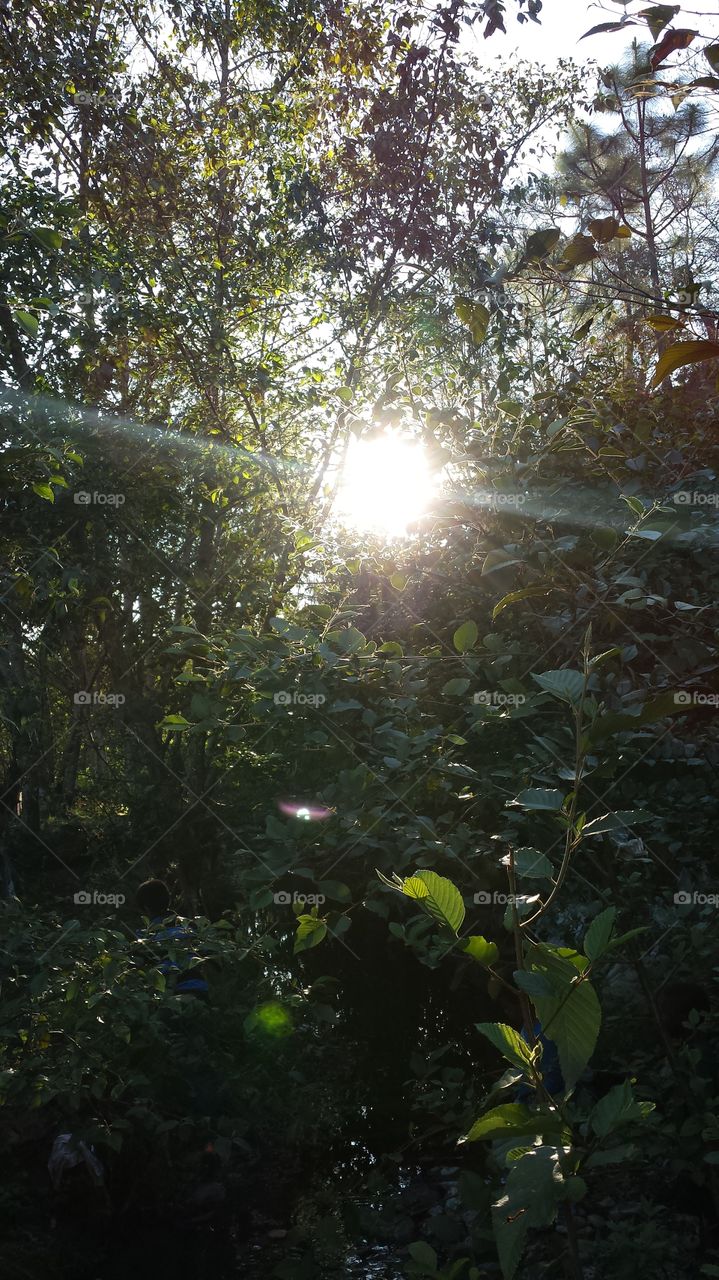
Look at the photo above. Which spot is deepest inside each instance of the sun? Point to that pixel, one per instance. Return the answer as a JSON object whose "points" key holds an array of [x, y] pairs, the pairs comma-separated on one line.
{"points": [[386, 485]]}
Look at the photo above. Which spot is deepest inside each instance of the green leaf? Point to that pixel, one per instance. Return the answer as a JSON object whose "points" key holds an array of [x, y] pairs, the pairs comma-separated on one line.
{"points": [[175, 722], [424, 1254], [613, 1155], [541, 243], [44, 491], [614, 1109], [536, 798], [512, 1119], [392, 649], [598, 934], [535, 984], [454, 688], [580, 249], [484, 952], [572, 1017], [28, 322], [465, 637], [565, 684], [636, 504], [335, 889], [683, 353], [540, 589], [310, 932], [438, 896], [509, 1042], [474, 315], [47, 237], [615, 821], [531, 863], [658, 16]]}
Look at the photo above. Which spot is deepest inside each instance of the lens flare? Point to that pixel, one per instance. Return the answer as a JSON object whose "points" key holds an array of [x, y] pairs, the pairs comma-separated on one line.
{"points": [[386, 485], [305, 812]]}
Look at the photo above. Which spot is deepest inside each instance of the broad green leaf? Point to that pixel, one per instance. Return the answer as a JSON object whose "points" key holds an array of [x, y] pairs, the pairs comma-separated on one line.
{"points": [[580, 249], [534, 1190], [453, 688], [438, 896], [510, 1119], [509, 1042], [424, 1254], [614, 1109], [536, 798], [541, 243], [28, 322], [44, 491], [615, 821], [613, 1155], [335, 889], [534, 983], [598, 934], [47, 237], [486, 953], [572, 1017], [657, 17], [683, 353], [465, 637], [564, 683], [531, 863], [636, 504], [310, 932], [175, 722]]}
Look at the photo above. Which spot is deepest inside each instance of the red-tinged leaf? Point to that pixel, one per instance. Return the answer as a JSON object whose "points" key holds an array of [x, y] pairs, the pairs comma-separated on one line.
{"points": [[673, 40], [681, 353]]}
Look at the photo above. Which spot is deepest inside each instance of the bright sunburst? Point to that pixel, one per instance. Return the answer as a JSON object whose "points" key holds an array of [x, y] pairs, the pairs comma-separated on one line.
{"points": [[387, 484]]}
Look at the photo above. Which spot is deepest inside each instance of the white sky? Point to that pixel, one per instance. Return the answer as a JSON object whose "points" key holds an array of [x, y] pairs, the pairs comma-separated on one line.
{"points": [[563, 22]]}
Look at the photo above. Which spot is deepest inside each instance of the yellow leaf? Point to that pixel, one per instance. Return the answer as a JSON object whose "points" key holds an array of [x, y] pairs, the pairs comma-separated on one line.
{"points": [[681, 353], [603, 229], [662, 324]]}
